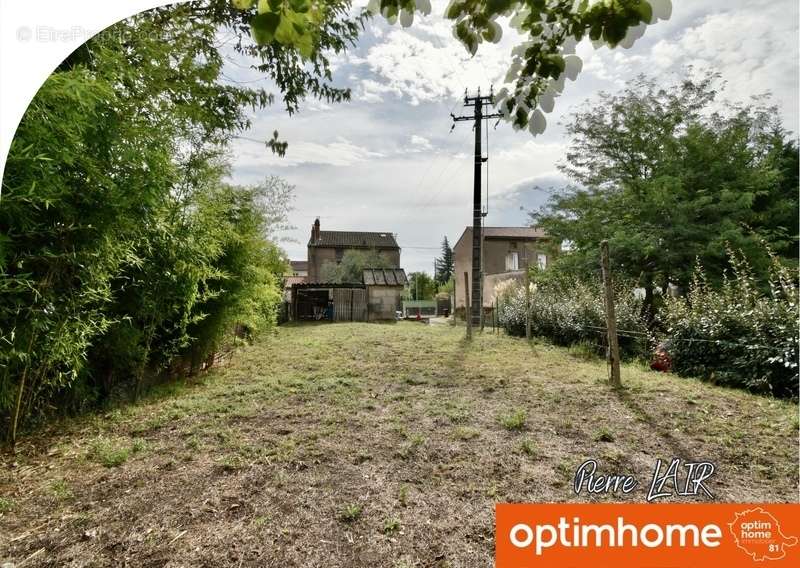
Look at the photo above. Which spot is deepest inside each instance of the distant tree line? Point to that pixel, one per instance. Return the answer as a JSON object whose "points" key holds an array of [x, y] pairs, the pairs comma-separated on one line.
{"points": [[420, 287]]}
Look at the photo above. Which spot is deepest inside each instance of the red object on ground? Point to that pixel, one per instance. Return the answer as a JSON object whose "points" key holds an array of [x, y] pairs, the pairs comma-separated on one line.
{"points": [[661, 360]]}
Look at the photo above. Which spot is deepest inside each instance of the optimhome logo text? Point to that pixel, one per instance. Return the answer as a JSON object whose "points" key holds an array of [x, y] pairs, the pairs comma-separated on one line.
{"points": [[646, 535]]}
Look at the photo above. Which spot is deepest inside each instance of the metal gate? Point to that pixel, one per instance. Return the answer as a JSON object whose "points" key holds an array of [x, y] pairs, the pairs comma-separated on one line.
{"points": [[349, 304]]}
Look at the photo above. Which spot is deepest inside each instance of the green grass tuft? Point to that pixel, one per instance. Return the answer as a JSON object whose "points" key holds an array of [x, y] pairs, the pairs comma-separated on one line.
{"points": [[391, 526], [6, 505], [603, 435], [514, 421], [528, 448], [108, 452], [351, 513]]}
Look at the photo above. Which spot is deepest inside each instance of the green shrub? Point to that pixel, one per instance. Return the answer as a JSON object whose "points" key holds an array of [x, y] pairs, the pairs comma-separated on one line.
{"points": [[738, 335], [123, 252]]}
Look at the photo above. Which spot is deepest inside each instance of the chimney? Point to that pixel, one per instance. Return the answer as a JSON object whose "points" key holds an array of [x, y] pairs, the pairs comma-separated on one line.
{"points": [[315, 231]]}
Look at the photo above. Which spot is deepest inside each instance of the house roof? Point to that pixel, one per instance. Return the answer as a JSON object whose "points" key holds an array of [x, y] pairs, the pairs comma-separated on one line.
{"points": [[299, 265], [291, 280], [355, 239], [385, 277], [507, 233]]}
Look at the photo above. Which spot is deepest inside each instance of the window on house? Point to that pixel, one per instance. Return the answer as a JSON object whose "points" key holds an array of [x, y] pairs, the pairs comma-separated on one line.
{"points": [[339, 254], [513, 245], [512, 261], [541, 260]]}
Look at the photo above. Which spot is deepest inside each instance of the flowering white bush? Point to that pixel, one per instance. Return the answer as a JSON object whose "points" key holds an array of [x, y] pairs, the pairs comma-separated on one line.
{"points": [[738, 335], [568, 311]]}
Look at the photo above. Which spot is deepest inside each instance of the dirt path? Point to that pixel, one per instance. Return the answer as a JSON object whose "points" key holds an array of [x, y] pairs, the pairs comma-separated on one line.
{"points": [[368, 445]]}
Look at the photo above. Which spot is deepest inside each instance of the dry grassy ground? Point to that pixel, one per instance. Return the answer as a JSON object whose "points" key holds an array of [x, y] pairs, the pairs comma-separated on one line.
{"points": [[368, 445]]}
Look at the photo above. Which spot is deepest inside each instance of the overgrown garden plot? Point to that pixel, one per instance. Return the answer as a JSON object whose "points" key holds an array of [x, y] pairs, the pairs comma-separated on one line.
{"points": [[368, 445]]}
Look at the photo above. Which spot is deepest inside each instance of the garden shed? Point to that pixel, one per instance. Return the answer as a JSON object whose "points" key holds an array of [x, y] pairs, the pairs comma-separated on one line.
{"points": [[384, 290]]}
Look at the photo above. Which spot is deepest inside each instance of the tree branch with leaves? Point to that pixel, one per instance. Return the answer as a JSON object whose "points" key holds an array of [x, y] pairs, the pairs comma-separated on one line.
{"points": [[551, 29]]}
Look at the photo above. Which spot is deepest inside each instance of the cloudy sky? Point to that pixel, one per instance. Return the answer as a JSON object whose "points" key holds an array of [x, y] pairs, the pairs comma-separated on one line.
{"points": [[387, 161]]}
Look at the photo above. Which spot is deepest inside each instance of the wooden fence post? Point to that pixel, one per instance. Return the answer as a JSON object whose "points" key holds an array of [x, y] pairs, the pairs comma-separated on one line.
{"points": [[527, 304], [454, 299], [466, 303], [611, 318]]}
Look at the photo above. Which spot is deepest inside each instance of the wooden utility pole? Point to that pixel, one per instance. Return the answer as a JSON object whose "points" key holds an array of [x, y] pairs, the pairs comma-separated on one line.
{"points": [[467, 314], [611, 318], [477, 103]]}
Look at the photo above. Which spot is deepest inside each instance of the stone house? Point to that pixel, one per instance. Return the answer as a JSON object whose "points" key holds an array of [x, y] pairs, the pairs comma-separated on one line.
{"points": [[376, 297], [330, 246]]}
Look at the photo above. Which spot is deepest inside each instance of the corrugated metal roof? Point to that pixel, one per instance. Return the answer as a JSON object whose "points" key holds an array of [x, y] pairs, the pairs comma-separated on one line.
{"points": [[385, 277], [323, 285], [290, 280], [354, 239]]}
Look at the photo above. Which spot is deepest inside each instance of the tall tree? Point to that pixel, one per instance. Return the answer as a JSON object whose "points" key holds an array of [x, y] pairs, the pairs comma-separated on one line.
{"points": [[445, 264], [670, 175], [351, 267]]}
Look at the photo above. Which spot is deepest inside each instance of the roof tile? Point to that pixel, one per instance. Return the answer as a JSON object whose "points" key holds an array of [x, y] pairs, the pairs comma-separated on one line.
{"points": [[355, 239]]}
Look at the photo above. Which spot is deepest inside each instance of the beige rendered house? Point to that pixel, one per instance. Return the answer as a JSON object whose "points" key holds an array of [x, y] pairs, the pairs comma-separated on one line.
{"points": [[507, 253]]}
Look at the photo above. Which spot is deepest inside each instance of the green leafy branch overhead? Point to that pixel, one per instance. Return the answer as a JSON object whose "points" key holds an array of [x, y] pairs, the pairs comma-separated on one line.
{"points": [[540, 64], [291, 23], [551, 30]]}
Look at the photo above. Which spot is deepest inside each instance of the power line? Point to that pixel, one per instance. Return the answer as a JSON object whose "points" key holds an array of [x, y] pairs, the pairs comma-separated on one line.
{"points": [[438, 188], [435, 181]]}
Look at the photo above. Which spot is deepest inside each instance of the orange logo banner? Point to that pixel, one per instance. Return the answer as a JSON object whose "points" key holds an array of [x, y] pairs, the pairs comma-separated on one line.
{"points": [[662, 535]]}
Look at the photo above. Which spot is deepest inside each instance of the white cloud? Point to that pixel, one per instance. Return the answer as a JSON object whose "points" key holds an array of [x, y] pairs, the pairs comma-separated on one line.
{"points": [[340, 153], [511, 205], [420, 143], [532, 151], [753, 47], [425, 63]]}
